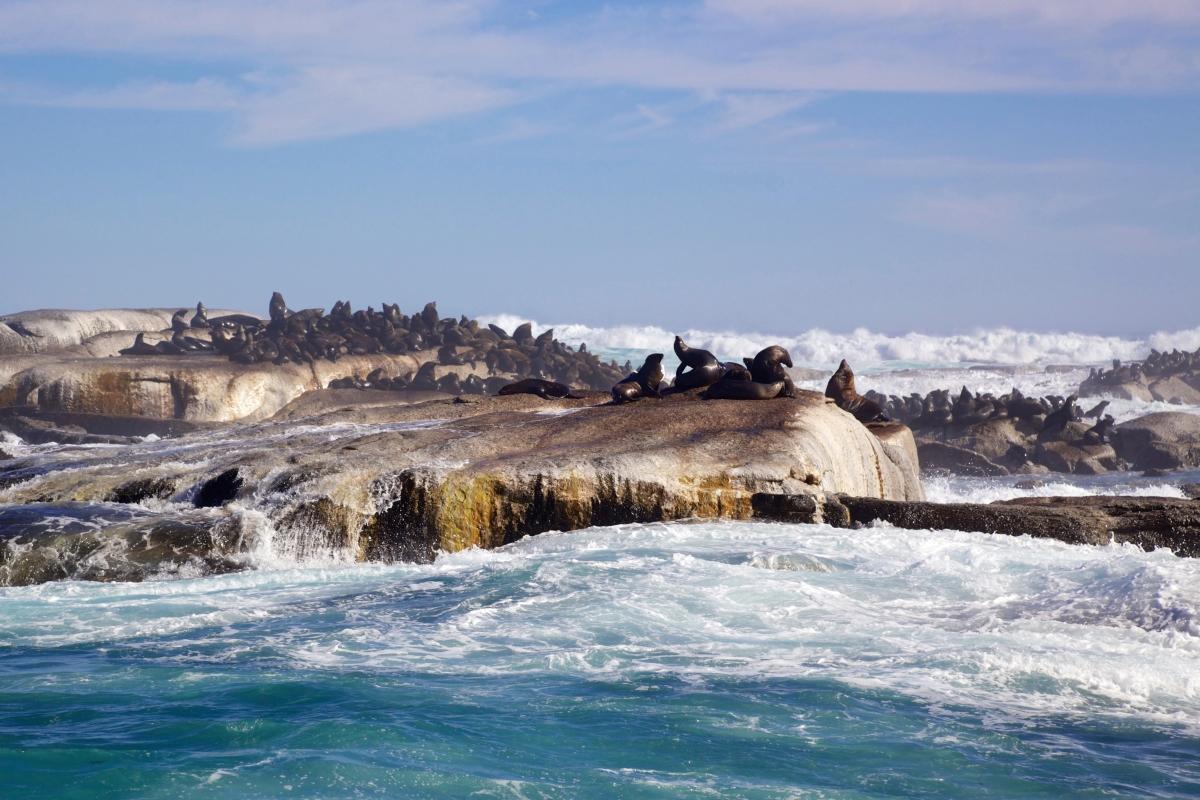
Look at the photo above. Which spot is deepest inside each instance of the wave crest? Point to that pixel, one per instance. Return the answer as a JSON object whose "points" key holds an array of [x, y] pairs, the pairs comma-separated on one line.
{"points": [[822, 348]]}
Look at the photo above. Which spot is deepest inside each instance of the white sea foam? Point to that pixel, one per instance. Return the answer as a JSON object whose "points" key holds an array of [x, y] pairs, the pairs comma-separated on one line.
{"points": [[959, 489], [823, 349], [1012, 626]]}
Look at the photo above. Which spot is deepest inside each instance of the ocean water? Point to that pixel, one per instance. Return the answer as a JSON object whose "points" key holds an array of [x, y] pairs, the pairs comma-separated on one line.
{"points": [[683, 660], [727, 660]]}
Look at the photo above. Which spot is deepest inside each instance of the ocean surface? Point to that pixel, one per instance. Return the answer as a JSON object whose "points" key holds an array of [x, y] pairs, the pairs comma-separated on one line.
{"points": [[730, 660]]}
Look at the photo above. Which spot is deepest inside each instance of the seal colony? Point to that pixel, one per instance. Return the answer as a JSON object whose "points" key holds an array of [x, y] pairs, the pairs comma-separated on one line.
{"points": [[310, 335], [541, 365]]}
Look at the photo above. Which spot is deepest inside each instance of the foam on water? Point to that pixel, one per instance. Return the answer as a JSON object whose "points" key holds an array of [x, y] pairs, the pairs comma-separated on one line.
{"points": [[771, 644], [963, 489]]}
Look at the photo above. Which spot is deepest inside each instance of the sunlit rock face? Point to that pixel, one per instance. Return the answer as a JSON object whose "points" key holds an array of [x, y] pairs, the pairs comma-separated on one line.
{"points": [[397, 481], [59, 330], [198, 388]]}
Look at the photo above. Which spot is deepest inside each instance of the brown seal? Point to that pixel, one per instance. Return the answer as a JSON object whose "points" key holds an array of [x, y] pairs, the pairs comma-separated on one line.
{"points": [[769, 366], [744, 390], [841, 390], [646, 382], [697, 367], [543, 389]]}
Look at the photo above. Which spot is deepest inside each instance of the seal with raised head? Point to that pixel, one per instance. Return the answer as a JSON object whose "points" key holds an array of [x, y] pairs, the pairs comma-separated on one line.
{"points": [[842, 391], [139, 347], [697, 367], [543, 389], [1057, 420], [768, 366], [278, 308], [200, 318], [646, 382]]}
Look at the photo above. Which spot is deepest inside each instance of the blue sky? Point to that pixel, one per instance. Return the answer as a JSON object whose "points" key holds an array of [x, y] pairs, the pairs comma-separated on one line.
{"points": [[932, 165]]}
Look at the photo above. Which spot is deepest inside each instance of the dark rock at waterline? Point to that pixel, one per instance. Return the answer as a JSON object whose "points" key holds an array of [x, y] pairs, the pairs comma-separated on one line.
{"points": [[39, 426], [1165, 440], [138, 491], [1148, 522], [218, 491], [80, 541], [5, 455], [938, 456], [1191, 490]]}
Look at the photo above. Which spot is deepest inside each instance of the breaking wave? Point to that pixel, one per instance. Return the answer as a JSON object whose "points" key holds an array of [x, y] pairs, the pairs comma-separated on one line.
{"points": [[821, 348]]}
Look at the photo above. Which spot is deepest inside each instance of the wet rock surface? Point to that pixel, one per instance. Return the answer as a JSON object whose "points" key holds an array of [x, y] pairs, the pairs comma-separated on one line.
{"points": [[1149, 523], [402, 481], [1172, 377], [1165, 440]]}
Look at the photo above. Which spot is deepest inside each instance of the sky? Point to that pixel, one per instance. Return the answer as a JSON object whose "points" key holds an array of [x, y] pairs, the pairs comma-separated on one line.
{"points": [[769, 165]]}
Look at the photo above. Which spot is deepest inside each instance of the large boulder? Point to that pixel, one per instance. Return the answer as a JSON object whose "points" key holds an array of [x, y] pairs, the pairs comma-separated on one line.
{"points": [[1076, 457], [993, 438], [406, 481], [1176, 390], [197, 388], [939, 456], [56, 330], [1164, 440]]}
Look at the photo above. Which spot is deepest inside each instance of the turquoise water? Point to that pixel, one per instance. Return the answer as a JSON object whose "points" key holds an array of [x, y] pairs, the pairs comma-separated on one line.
{"points": [[684, 660]]}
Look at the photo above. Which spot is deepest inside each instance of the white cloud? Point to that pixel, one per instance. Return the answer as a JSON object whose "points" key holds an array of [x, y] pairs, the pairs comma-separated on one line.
{"points": [[340, 67], [1073, 13], [324, 102]]}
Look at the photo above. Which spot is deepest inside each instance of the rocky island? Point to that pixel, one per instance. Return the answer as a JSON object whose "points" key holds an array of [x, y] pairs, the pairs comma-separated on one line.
{"points": [[380, 437]]}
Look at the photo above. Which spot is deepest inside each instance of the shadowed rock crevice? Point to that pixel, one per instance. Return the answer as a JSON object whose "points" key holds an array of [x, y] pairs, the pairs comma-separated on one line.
{"points": [[220, 490]]}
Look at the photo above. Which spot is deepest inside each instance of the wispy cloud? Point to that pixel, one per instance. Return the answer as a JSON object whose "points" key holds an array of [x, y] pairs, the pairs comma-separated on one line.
{"points": [[1071, 13], [327, 68], [1060, 219], [750, 109], [519, 130]]}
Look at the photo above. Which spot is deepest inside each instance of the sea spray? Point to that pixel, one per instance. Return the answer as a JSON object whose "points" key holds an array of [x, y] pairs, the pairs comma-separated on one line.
{"points": [[667, 660], [824, 349]]}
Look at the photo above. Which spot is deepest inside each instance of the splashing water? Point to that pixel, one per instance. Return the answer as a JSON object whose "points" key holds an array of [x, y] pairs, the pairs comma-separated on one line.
{"points": [[682, 660]]}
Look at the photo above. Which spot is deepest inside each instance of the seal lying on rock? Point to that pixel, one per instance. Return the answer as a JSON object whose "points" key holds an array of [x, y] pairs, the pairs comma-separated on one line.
{"points": [[744, 390], [646, 382], [697, 368], [139, 347], [763, 378], [543, 389], [841, 390]]}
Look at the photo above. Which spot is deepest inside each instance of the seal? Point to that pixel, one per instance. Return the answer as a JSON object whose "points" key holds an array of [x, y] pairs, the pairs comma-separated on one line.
{"points": [[1058, 419], [200, 318], [744, 390], [646, 382], [1097, 411], [543, 389], [768, 366], [1099, 433], [139, 347], [278, 308], [697, 368], [845, 396]]}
